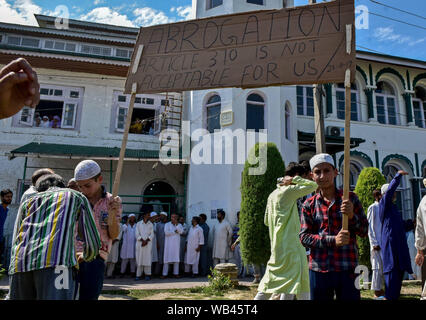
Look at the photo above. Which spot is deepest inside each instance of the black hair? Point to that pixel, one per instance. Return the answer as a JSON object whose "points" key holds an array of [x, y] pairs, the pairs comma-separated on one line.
{"points": [[222, 212], [294, 169], [49, 181], [5, 192], [203, 216], [196, 219], [40, 173], [377, 193]]}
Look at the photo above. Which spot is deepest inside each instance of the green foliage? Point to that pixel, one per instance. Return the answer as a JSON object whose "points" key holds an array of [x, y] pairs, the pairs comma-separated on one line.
{"points": [[219, 284], [368, 180], [255, 189]]}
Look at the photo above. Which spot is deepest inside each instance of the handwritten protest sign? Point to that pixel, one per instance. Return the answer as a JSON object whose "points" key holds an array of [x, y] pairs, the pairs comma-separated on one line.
{"points": [[301, 45]]}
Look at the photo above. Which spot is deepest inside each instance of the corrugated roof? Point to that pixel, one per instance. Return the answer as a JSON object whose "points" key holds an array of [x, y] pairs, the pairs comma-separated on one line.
{"points": [[35, 149]]}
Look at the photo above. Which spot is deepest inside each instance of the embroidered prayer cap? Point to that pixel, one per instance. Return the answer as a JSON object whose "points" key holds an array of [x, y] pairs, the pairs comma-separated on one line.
{"points": [[86, 169], [321, 158], [384, 188], [153, 214]]}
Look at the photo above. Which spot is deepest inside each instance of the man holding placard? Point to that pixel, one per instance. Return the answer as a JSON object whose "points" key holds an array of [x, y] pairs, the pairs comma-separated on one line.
{"points": [[333, 256]]}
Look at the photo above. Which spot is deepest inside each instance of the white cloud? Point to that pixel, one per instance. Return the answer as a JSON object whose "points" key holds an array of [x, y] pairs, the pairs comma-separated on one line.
{"points": [[388, 34], [108, 16], [183, 12], [21, 12], [148, 16], [97, 2]]}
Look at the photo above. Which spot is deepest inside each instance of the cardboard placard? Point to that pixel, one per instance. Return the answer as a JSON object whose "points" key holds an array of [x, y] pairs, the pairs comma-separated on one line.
{"points": [[302, 45]]}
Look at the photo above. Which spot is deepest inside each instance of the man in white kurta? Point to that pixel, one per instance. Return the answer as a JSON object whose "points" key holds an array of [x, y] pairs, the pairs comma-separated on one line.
{"points": [[194, 242], [421, 237], [113, 255], [222, 233], [374, 235], [127, 253], [172, 231], [144, 234]]}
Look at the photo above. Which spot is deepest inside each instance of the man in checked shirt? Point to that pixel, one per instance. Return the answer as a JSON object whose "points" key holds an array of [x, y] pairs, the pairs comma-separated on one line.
{"points": [[334, 253]]}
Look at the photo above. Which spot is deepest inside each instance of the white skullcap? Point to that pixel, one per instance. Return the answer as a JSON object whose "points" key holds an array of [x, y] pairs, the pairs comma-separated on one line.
{"points": [[384, 188], [321, 158], [153, 214], [86, 169], [163, 213], [131, 215]]}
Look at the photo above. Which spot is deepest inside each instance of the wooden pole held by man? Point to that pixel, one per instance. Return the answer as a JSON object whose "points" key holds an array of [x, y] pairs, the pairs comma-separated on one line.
{"points": [[347, 141], [119, 169]]}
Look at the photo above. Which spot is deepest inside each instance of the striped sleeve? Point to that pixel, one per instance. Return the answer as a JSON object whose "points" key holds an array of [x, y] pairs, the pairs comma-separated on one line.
{"points": [[88, 231]]}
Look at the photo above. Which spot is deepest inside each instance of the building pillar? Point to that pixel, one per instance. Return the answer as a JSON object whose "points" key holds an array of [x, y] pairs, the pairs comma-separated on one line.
{"points": [[415, 183], [369, 92], [409, 106], [329, 98]]}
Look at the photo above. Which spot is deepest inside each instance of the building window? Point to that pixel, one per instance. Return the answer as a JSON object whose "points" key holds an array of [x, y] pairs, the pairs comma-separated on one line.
{"points": [[403, 192], [255, 112], [57, 108], [354, 172], [145, 115], [305, 100], [123, 53], [419, 107], [213, 109], [259, 2], [214, 3], [23, 42], [95, 50], [287, 122], [340, 102], [387, 108], [59, 45]]}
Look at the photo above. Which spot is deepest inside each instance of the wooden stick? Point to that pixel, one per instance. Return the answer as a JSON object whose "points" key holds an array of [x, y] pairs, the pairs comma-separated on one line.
{"points": [[347, 145], [123, 146]]}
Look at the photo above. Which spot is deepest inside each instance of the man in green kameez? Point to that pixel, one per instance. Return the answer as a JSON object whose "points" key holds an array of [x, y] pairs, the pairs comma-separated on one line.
{"points": [[287, 272]]}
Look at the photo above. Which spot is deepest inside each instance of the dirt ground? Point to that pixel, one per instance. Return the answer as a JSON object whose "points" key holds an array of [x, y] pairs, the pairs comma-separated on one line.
{"points": [[409, 291]]}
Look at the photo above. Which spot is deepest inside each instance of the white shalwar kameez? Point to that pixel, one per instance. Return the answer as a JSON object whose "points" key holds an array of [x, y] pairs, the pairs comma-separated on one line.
{"points": [[144, 231], [127, 253], [421, 234], [222, 233], [171, 247], [194, 240], [374, 235]]}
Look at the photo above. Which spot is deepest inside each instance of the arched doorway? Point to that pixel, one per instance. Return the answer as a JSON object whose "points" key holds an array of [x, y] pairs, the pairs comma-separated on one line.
{"points": [[158, 196]]}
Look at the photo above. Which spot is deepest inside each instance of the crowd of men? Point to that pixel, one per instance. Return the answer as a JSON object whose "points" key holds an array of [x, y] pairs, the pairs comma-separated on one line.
{"points": [[59, 230], [333, 251]]}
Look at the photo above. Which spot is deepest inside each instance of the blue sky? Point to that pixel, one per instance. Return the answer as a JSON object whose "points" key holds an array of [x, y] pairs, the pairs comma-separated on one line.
{"points": [[383, 35]]}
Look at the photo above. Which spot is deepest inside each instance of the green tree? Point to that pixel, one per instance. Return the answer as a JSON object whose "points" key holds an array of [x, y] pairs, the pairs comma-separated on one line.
{"points": [[369, 179], [255, 189]]}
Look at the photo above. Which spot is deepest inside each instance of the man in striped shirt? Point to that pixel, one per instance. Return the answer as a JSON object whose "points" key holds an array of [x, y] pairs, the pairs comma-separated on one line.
{"points": [[43, 256]]}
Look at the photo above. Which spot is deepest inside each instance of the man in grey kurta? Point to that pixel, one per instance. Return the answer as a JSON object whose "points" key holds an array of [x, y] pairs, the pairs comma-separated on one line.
{"points": [[204, 248], [222, 239], [160, 241]]}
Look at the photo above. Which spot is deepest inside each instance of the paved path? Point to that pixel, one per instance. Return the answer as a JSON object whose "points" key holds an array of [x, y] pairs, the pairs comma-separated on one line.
{"points": [[155, 283]]}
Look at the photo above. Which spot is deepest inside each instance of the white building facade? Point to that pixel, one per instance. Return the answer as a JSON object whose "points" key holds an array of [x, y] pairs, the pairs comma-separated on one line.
{"points": [[82, 73], [388, 128]]}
